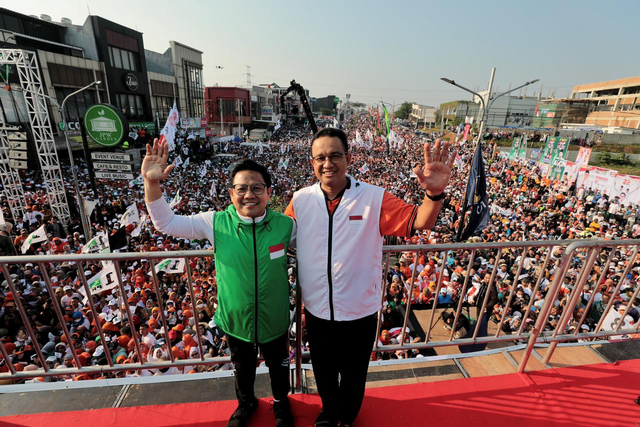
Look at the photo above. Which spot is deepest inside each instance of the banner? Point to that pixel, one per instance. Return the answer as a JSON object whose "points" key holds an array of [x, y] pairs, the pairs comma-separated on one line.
{"points": [[103, 281], [136, 181], [467, 127], [386, 119], [515, 149], [97, 245], [557, 169], [168, 132], [522, 153], [89, 206], [40, 235], [176, 199], [364, 168], [171, 265], [212, 191], [130, 216], [584, 155], [535, 154], [547, 151]]}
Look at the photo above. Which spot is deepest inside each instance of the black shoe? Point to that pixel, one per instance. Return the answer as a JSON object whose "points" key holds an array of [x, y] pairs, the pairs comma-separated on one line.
{"points": [[243, 413], [282, 412], [324, 420], [637, 400]]}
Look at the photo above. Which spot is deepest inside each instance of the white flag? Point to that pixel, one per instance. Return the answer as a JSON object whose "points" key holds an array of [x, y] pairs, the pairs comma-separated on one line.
{"points": [[212, 191], [283, 149], [103, 281], [358, 138], [277, 126], [99, 244], [177, 199], [89, 206], [364, 168], [136, 181], [191, 136], [226, 147], [177, 161], [286, 163], [136, 231], [281, 163], [130, 216], [171, 265], [335, 123], [40, 235], [458, 162], [169, 129], [203, 171], [185, 164]]}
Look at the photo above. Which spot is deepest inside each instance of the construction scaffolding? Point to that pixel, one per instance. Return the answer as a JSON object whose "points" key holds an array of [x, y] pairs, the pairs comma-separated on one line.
{"points": [[26, 63]]}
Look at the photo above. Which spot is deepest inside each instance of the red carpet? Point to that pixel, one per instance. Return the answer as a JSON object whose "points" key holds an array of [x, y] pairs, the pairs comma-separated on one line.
{"points": [[594, 395]]}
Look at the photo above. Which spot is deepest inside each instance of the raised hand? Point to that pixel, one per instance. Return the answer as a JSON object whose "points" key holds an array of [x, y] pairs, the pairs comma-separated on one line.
{"points": [[434, 176], [154, 165]]}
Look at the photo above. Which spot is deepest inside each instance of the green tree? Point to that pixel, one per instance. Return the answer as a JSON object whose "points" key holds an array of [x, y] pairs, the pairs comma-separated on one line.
{"points": [[438, 117], [403, 111], [357, 104]]}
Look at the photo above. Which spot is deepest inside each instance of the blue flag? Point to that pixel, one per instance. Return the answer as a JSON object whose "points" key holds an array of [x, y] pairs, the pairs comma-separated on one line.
{"points": [[477, 199]]}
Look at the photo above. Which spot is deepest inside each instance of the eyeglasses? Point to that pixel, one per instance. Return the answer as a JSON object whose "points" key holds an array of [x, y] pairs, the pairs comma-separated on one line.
{"points": [[241, 189], [333, 158]]}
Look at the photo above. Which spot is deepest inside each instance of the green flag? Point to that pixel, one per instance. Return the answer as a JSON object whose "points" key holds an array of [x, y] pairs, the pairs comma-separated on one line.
{"points": [[515, 148], [386, 119]]}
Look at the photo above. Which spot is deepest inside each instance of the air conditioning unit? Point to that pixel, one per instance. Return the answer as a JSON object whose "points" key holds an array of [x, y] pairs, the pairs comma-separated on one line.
{"points": [[46, 17]]}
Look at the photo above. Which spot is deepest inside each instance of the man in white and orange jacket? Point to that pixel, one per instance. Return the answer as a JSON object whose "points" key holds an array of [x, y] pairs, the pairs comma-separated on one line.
{"points": [[341, 223]]}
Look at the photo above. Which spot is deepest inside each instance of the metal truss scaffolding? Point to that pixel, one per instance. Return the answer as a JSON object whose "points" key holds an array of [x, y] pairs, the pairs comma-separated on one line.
{"points": [[27, 65], [10, 177]]}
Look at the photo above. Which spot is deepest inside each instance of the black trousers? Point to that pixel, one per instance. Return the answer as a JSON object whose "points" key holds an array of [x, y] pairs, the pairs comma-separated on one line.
{"points": [[340, 353], [245, 357]]}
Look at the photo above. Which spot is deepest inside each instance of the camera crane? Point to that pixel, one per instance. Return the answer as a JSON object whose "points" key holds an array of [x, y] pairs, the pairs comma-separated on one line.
{"points": [[297, 87]]}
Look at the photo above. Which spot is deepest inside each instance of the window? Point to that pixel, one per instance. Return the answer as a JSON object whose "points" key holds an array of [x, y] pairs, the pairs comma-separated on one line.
{"points": [[78, 105], [162, 105], [132, 106], [125, 59]]}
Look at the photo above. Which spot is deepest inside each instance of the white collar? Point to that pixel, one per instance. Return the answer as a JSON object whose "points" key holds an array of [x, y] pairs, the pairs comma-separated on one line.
{"points": [[249, 220]]}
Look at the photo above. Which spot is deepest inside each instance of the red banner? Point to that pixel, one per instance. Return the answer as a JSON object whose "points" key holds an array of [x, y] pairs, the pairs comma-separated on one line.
{"points": [[467, 127]]}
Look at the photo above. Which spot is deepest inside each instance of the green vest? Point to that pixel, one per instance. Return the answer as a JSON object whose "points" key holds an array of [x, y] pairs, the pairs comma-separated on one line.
{"points": [[251, 272]]}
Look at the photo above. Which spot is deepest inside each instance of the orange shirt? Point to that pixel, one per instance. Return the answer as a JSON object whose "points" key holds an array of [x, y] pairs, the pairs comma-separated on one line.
{"points": [[396, 216]]}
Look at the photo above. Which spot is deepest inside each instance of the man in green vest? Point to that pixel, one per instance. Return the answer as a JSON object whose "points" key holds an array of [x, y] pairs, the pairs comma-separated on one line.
{"points": [[250, 243]]}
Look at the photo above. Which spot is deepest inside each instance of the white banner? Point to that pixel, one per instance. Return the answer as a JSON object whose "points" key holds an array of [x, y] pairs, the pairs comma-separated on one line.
{"points": [[103, 281], [99, 244], [137, 181], [177, 199], [89, 206], [131, 216], [171, 265], [40, 235], [169, 129]]}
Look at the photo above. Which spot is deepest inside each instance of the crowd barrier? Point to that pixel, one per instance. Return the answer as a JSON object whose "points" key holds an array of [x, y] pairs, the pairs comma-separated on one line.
{"points": [[578, 257]]}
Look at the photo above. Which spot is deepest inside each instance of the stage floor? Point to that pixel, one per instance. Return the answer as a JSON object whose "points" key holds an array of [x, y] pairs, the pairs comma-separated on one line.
{"points": [[595, 395]]}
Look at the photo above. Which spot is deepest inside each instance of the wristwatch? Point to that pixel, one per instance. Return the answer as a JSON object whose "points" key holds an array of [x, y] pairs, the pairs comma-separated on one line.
{"points": [[435, 198]]}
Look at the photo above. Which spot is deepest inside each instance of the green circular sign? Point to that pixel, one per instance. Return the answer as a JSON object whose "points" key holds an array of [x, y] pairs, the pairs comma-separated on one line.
{"points": [[106, 125]]}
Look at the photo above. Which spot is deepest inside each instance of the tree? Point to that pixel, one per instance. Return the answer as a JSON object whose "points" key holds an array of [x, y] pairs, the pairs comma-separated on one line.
{"points": [[357, 104], [403, 111], [438, 116]]}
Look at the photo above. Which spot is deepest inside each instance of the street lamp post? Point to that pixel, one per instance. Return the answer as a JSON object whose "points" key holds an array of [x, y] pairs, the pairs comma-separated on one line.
{"points": [[485, 113], [83, 215]]}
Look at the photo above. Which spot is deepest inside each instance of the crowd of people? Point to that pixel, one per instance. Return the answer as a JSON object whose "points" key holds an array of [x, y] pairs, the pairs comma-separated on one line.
{"points": [[524, 204]]}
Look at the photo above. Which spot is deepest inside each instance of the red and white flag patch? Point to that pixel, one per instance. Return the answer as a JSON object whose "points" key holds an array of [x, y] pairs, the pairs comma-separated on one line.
{"points": [[355, 219], [276, 251]]}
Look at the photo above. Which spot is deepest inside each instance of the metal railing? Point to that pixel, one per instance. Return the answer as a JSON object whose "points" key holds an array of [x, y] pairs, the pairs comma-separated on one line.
{"points": [[584, 261]]}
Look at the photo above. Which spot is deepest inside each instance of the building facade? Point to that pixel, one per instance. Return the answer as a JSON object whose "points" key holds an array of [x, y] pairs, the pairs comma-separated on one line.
{"points": [[141, 83], [422, 115], [228, 109], [613, 103]]}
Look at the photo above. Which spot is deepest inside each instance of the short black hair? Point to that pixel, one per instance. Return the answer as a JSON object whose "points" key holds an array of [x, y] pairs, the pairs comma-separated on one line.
{"points": [[250, 165], [332, 132]]}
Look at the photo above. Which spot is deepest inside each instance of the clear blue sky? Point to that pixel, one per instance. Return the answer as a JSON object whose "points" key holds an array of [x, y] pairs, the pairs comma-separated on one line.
{"points": [[395, 50]]}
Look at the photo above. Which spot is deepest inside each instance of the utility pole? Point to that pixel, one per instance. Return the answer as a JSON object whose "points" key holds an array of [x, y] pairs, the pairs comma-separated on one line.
{"points": [[221, 118], [483, 116], [248, 76]]}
